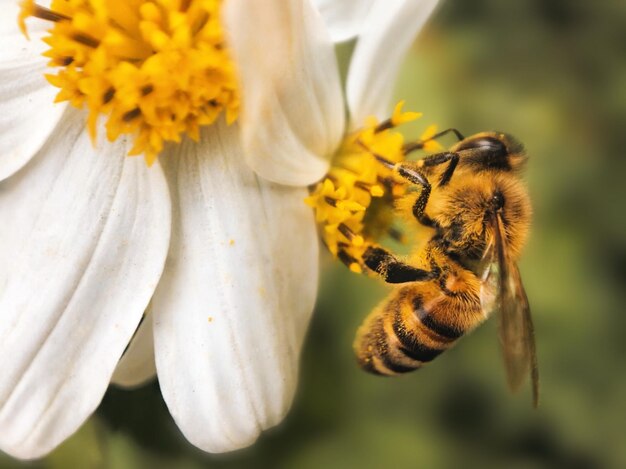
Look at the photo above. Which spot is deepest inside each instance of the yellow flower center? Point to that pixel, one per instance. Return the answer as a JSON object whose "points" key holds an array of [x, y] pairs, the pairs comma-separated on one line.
{"points": [[158, 69], [354, 204]]}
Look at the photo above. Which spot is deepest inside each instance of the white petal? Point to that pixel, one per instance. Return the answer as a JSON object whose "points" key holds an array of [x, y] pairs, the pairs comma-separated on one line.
{"points": [[236, 296], [390, 30], [27, 110], [137, 367], [84, 239], [344, 18], [293, 114]]}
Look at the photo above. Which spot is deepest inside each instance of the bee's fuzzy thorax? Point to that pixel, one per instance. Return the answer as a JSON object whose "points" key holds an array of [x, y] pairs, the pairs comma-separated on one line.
{"points": [[462, 212]]}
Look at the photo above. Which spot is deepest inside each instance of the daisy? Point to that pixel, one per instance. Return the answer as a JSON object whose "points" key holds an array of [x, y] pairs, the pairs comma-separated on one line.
{"points": [[222, 257], [89, 237]]}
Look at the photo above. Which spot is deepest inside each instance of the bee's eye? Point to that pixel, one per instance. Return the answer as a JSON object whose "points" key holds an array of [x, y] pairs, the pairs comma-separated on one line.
{"points": [[494, 145]]}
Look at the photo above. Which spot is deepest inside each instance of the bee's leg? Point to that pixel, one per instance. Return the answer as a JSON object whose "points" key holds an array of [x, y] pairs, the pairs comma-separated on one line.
{"points": [[411, 172], [391, 269], [439, 158]]}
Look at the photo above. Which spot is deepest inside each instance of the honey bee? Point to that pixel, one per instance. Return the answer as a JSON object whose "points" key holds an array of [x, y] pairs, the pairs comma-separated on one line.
{"points": [[478, 214]]}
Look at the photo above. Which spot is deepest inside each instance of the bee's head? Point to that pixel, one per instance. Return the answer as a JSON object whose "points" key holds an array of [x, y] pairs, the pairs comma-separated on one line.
{"points": [[493, 150]]}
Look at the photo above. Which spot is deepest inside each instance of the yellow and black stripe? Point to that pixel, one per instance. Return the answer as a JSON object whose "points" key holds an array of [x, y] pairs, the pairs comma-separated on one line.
{"points": [[403, 334]]}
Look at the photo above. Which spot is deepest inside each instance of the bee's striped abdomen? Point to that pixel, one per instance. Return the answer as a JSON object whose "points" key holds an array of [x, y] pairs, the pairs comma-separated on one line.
{"points": [[415, 343], [375, 351], [403, 334]]}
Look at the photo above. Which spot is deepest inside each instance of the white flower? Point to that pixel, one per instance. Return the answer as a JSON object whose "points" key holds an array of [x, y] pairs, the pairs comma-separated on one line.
{"points": [[224, 261], [89, 237]]}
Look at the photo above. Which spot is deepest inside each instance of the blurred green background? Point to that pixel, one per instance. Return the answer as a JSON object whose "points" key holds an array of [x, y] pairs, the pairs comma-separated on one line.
{"points": [[553, 73]]}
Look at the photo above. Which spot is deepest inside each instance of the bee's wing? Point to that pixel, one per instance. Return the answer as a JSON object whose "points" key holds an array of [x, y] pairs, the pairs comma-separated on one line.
{"points": [[503, 291], [490, 285]]}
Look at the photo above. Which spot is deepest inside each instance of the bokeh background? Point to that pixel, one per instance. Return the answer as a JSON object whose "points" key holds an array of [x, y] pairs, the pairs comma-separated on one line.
{"points": [[553, 73]]}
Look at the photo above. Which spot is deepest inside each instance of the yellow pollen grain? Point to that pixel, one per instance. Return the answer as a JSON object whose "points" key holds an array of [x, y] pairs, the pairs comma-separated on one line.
{"points": [[155, 70], [345, 202]]}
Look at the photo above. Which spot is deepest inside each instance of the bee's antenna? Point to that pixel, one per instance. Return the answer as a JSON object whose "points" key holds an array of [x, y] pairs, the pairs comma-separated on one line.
{"points": [[384, 161], [381, 159], [409, 147]]}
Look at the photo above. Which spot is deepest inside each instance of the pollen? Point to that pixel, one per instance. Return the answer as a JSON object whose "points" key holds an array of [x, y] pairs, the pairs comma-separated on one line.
{"points": [[155, 70], [354, 204]]}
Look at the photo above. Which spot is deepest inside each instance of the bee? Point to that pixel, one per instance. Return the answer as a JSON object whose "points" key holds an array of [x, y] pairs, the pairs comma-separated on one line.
{"points": [[477, 213]]}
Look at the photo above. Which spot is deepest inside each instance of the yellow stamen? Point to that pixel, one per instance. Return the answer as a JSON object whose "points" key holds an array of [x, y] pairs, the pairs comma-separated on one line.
{"points": [[27, 9], [354, 204], [399, 117], [430, 145], [156, 69]]}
